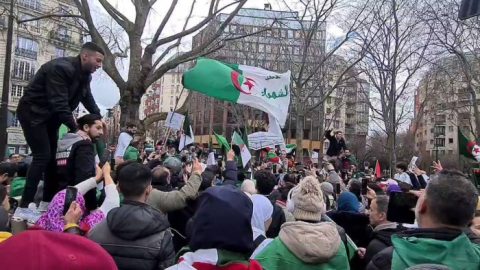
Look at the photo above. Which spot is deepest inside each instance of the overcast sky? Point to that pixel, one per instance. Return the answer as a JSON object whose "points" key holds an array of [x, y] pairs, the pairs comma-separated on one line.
{"points": [[105, 91]]}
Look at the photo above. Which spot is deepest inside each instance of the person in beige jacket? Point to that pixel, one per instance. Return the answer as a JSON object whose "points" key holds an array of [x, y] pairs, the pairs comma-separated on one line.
{"points": [[177, 199]]}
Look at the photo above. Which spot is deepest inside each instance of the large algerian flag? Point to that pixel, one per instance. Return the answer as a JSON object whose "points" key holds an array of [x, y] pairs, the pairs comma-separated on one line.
{"points": [[252, 86], [244, 153], [469, 149]]}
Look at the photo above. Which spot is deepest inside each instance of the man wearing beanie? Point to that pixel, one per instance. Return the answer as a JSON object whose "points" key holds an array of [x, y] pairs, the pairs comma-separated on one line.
{"points": [[307, 242]]}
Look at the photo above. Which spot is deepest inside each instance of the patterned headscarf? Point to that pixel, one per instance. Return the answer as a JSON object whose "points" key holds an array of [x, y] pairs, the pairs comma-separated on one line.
{"points": [[53, 221]]}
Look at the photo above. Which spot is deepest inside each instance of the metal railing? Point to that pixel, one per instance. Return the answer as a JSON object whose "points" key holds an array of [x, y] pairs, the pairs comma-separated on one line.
{"points": [[26, 53]]}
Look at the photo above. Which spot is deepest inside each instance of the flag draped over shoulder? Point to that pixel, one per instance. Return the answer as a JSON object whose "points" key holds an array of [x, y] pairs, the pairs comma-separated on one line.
{"points": [[467, 148], [244, 152], [252, 86]]}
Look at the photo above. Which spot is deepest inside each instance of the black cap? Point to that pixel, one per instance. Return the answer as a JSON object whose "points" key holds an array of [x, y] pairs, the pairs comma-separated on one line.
{"points": [[93, 47]]}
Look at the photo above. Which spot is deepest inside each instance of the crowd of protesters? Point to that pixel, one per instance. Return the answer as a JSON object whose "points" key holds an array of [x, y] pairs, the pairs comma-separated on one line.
{"points": [[160, 208]]}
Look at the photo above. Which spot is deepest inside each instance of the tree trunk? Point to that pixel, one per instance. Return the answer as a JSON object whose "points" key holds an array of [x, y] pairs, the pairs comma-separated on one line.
{"points": [[476, 112], [392, 157], [300, 124], [129, 105]]}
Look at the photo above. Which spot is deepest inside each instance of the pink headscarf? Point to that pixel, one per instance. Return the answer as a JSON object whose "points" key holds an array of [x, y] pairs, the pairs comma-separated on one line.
{"points": [[53, 221]]}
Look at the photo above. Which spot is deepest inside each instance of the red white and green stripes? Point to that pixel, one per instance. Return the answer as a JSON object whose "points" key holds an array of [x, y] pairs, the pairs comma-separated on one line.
{"points": [[252, 86]]}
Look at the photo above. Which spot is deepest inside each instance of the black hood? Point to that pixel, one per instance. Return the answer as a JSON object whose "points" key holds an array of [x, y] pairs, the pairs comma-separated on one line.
{"points": [[134, 220]]}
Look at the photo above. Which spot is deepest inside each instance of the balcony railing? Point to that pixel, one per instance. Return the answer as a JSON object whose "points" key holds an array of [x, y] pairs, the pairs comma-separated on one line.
{"points": [[60, 36], [32, 5], [26, 53]]}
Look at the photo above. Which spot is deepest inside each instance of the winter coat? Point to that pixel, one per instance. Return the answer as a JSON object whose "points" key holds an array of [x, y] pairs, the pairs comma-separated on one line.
{"points": [[449, 247], [278, 219], [335, 147], [177, 199], [137, 236], [356, 225], [75, 159], [302, 245], [56, 90], [381, 239]]}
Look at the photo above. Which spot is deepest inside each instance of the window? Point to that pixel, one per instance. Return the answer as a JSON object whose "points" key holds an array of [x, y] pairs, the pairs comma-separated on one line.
{"points": [[26, 47], [17, 91], [62, 33], [22, 150], [329, 110], [31, 25], [13, 120], [33, 4], [450, 152], [431, 141], [450, 140], [440, 130], [290, 33], [329, 100], [261, 48], [59, 52], [450, 129], [336, 124], [23, 70], [440, 142]]}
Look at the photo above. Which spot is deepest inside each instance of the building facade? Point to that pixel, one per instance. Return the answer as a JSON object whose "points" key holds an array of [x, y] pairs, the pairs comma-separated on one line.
{"points": [[34, 43], [278, 49], [443, 106], [165, 94]]}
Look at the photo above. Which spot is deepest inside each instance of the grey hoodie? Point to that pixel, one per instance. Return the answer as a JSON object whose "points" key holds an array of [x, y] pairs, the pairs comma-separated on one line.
{"points": [[65, 145]]}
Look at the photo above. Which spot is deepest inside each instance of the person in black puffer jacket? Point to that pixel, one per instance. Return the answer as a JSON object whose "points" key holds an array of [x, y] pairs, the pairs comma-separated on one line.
{"points": [[135, 234]]}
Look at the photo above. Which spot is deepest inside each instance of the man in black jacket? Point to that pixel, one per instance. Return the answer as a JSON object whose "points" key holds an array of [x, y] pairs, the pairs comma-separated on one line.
{"points": [[75, 160], [382, 228], [136, 234], [336, 146], [55, 91]]}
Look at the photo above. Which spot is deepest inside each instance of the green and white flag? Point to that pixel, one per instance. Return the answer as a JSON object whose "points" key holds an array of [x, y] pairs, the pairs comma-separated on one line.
{"points": [[252, 86], [244, 152]]}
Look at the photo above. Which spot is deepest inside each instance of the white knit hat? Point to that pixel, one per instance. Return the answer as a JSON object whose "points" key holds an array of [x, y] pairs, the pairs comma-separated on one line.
{"points": [[307, 200]]}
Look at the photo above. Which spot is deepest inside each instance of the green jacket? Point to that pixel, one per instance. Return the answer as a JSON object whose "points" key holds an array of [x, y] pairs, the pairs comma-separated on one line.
{"points": [[307, 246], [459, 254], [131, 154]]}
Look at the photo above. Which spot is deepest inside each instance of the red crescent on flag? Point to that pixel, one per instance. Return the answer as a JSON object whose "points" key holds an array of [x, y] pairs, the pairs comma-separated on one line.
{"points": [[235, 80], [470, 146]]}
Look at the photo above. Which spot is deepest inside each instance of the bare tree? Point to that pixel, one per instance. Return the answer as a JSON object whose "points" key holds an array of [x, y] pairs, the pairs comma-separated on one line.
{"points": [[316, 71], [460, 39], [392, 62], [148, 63]]}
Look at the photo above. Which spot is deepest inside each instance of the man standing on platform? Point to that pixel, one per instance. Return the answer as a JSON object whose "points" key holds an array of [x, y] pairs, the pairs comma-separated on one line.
{"points": [[336, 146], [55, 91]]}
